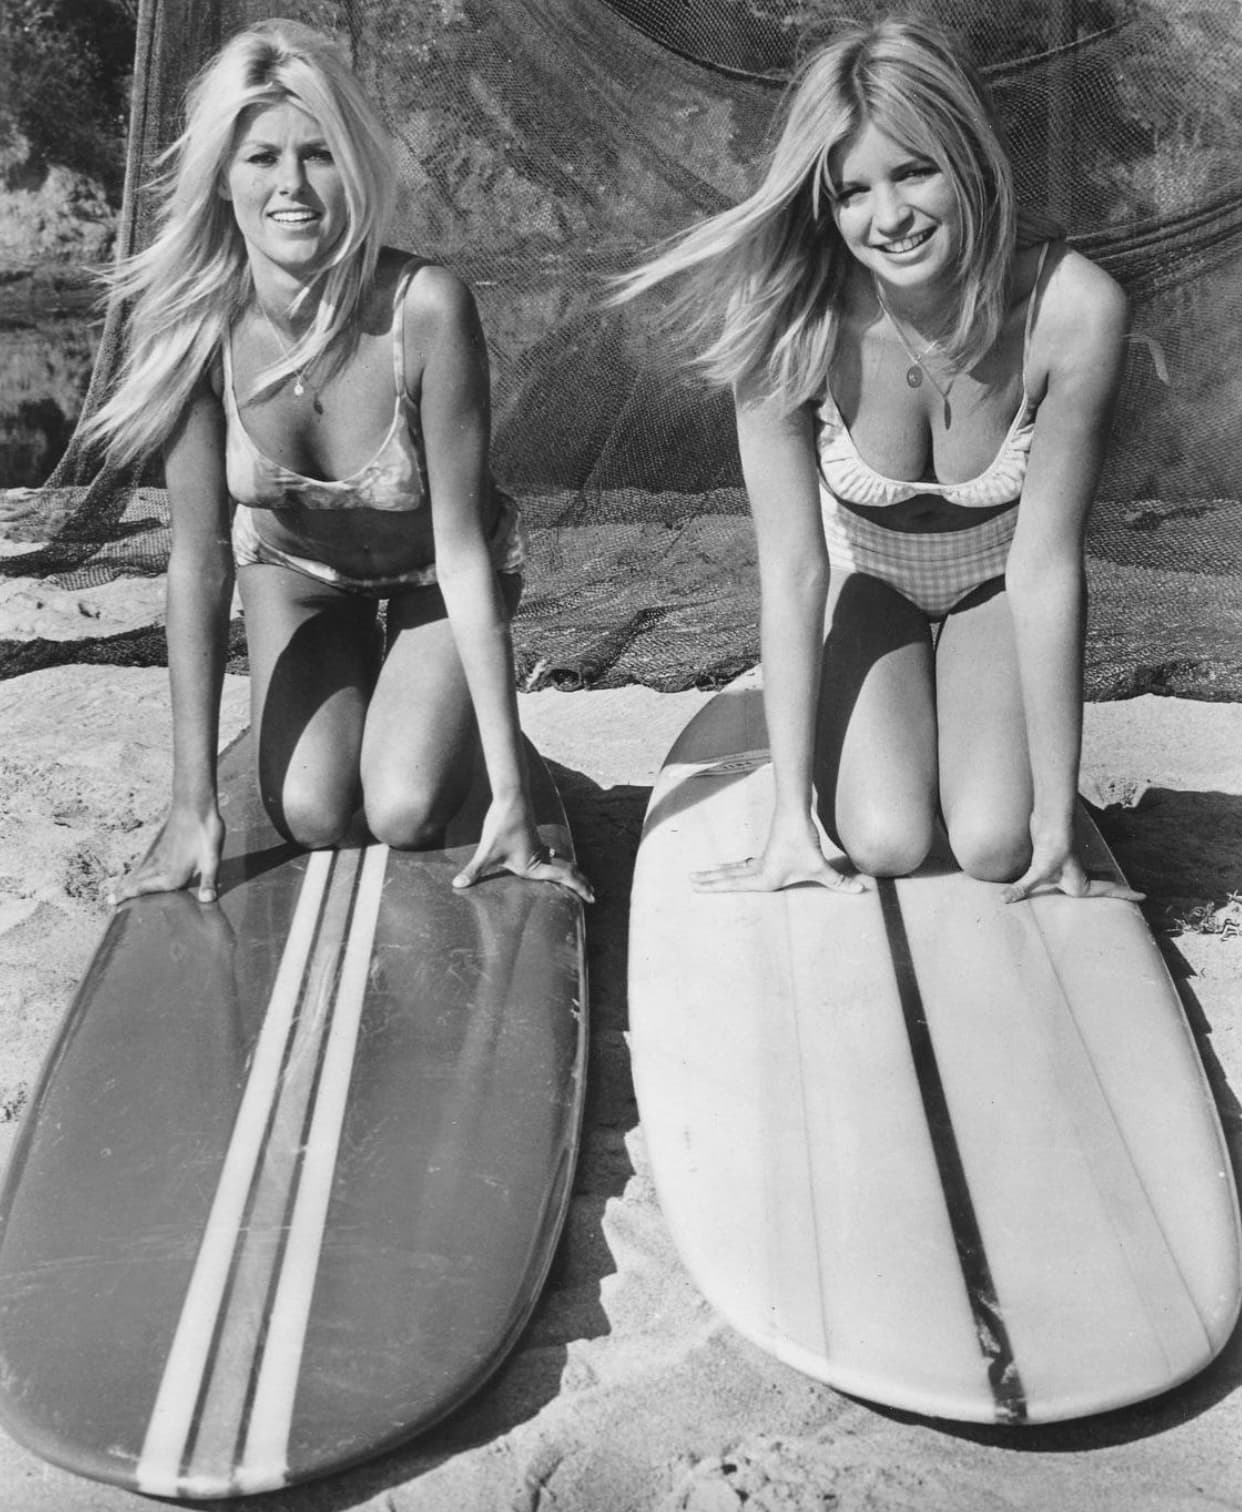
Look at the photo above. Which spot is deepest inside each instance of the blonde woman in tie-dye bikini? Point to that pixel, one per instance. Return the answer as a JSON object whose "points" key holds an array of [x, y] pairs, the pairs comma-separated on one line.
{"points": [[322, 404], [923, 382]]}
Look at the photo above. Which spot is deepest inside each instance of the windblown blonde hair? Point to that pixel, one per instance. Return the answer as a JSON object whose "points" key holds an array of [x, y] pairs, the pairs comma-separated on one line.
{"points": [[761, 285], [193, 281]]}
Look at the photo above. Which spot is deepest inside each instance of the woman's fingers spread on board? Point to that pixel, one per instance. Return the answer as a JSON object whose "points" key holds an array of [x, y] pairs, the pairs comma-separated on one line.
{"points": [[185, 848], [135, 884], [1052, 868], [154, 879], [751, 875], [471, 872], [207, 889], [726, 873], [1101, 887], [561, 870], [542, 865], [1026, 887], [1073, 882], [490, 855]]}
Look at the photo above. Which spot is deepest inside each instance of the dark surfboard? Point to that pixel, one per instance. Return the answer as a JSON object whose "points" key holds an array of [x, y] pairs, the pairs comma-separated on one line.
{"points": [[294, 1172]]}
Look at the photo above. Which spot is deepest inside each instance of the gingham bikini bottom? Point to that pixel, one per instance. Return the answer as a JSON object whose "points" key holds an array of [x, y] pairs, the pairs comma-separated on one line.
{"points": [[933, 569]]}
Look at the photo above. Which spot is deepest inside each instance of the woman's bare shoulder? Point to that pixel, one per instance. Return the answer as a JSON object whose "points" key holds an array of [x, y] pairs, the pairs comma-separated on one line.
{"points": [[1079, 330], [1081, 303], [440, 321], [434, 296]]}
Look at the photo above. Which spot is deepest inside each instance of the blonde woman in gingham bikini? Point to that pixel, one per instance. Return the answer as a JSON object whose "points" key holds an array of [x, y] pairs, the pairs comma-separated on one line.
{"points": [[923, 380]]}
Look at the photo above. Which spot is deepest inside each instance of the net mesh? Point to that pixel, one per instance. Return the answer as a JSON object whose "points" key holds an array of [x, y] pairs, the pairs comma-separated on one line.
{"points": [[544, 144]]}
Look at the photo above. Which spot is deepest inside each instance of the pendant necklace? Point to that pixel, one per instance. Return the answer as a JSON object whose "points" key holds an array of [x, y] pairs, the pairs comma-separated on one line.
{"points": [[299, 374], [918, 370]]}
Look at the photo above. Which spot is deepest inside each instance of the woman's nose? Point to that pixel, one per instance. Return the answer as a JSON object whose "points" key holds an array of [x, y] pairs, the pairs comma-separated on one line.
{"points": [[888, 207], [292, 173]]}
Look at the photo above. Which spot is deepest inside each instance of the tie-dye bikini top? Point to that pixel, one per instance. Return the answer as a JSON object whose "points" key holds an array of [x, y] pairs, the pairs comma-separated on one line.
{"points": [[394, 479], [852, 481]]}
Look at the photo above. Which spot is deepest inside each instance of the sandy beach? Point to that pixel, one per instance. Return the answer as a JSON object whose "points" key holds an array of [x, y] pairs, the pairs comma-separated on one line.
{"points": [[627, 1393]]}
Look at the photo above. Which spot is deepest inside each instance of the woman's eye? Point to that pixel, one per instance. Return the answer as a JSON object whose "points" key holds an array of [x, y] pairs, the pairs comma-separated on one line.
{"points": [[319, 155]]}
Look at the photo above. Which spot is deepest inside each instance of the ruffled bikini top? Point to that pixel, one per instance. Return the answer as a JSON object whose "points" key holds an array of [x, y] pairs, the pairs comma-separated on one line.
{"points": [[851, 480], [394, 479]]}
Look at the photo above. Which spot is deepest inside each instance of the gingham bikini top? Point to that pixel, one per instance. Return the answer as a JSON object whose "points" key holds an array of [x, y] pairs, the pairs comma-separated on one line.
{"points": [[851, 480], [394, 479]]}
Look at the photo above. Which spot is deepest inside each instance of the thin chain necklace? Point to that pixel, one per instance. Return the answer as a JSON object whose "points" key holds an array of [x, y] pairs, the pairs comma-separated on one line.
{"points": [[300, 379], [918, 370]]}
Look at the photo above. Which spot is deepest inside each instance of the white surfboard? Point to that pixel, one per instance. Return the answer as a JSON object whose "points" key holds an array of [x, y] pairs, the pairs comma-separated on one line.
{"points": [[942, 1152]]}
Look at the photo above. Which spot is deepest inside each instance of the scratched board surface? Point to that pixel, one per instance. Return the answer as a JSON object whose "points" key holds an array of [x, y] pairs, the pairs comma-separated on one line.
{"points": [[951, 1155], [295, 1169]]}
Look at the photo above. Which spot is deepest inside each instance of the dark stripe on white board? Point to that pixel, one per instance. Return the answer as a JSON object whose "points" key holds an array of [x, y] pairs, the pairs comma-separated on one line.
{"points": [[1008, 1393]]}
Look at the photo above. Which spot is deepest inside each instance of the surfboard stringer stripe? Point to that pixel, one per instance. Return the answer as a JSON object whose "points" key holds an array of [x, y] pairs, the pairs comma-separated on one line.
{"points": [[225, 1402]]}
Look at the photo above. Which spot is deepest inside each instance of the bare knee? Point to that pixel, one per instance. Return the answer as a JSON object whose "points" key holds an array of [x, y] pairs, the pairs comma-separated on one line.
{"points": [[990, 849], [887, 845], [405, 821], [311, 819]]}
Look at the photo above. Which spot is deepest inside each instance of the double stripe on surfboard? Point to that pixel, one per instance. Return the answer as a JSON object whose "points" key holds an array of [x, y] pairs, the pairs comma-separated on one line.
{"points": [[225, 1402]]}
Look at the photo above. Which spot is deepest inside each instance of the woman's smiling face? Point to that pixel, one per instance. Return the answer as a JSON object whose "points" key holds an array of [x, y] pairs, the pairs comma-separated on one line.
{"points": [[895, 209], [286, 189]]}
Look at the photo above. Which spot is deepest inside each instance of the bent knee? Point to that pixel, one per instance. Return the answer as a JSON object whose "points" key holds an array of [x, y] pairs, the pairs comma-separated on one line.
{"points": [[884, 848], [990, 852], [306, 809], [406, 822], [313, 826]]}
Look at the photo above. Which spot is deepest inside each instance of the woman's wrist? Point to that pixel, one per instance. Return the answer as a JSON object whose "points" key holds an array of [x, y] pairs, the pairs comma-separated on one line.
{"points": [[196, 797], [511, 794], [1053, 826], [793, 818]]}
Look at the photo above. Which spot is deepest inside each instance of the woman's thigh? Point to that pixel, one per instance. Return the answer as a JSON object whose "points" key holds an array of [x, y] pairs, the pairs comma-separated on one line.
{"points": [[876, 738], [313, 650], [420, 743], [985, 770]]}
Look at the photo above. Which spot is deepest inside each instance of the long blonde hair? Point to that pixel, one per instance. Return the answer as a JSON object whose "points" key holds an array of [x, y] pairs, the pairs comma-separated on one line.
{"points": [[761, 286], [193, 281]]}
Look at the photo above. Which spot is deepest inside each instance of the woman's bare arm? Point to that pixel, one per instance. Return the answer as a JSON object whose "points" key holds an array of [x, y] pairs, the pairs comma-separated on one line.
{"points": [[455, 414], [1082, 330], [199, 593], [778, 463]]}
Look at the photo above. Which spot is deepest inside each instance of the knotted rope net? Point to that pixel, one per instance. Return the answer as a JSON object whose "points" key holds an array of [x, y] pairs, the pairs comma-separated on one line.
{"points": [[544, 144]]}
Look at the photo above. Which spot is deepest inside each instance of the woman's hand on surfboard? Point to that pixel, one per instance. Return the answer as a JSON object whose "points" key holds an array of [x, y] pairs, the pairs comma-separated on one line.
{"points": [[786, 861], [187, 846], [1055, 869], [510, 842]]}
